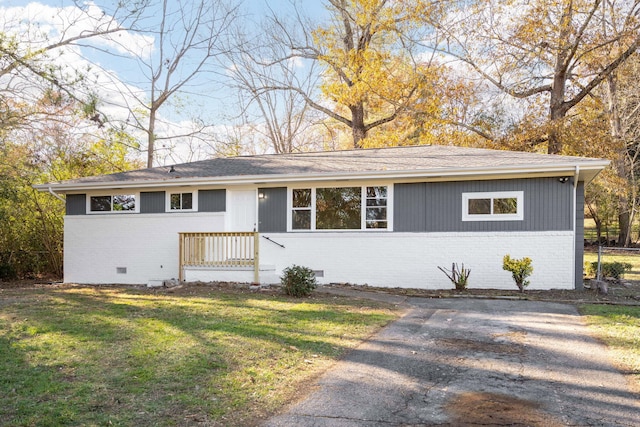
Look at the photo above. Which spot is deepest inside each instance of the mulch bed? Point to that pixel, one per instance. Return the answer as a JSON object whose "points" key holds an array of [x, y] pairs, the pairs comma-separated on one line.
{"points": [[619, 292], [622, 292]]}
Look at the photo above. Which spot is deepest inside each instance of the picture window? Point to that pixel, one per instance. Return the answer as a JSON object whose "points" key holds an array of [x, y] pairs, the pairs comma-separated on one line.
{"points": [[339, 208]]}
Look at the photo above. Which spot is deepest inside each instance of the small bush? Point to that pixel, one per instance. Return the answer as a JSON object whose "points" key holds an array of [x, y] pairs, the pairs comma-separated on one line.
{"points": [[520, 269], [298, 281], [7, 272], [613, 270]]}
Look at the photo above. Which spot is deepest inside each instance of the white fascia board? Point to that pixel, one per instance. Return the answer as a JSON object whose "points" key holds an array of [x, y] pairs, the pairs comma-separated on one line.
{"points": [[588, 170]]}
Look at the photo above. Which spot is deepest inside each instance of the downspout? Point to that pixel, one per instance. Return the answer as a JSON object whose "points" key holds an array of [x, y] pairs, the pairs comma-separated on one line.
{"points": [[56, 195], [575, 237]]}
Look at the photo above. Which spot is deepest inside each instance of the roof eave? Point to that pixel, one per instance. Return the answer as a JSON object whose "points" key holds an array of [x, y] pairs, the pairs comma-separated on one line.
{"points": [[587, 171]]}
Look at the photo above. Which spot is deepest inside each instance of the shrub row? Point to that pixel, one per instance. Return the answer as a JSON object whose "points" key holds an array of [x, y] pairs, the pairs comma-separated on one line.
{"points": [[613, 270]]}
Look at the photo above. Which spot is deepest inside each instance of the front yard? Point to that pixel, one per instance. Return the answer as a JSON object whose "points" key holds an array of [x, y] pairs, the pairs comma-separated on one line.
{"points": [[73, 355], [205, 355]]}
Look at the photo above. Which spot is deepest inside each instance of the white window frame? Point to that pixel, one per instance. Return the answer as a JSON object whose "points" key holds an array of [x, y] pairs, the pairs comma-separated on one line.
{"points": [[111, 211], [194, 201], [291, 209], [363, 225], [363, 207], [518, 216]]}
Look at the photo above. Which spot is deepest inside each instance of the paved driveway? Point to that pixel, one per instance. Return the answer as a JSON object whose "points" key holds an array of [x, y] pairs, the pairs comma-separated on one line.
{"points": [[473, 362]]}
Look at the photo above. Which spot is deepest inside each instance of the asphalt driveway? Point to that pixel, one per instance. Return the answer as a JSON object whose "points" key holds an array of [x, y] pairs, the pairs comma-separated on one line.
{"points": [[473, 362]]}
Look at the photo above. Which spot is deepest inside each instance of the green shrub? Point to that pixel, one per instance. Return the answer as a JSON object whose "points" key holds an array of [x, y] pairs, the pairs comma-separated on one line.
{"points": [[520, 269], [7, 272], [298, 281], [612, 270]]}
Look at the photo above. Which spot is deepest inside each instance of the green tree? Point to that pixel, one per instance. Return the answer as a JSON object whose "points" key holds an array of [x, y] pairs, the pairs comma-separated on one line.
{"points": [[31, 221]]}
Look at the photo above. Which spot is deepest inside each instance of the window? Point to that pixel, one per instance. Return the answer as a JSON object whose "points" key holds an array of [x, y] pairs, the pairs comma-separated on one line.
{"points": [[181, 201], [301, 213], [376, 214], [116, 203], [498, 206], [339, 208]]}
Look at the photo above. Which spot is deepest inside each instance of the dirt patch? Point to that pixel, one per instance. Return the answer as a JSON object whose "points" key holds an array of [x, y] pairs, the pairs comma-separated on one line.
{"points": [[477, 408], [467, 345], [30, 283], [513, 336]]}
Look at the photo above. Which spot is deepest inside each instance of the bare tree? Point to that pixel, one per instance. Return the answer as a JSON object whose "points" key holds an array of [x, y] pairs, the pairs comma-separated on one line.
{"points": [[282, 118], [188, 38], [623, 111]]}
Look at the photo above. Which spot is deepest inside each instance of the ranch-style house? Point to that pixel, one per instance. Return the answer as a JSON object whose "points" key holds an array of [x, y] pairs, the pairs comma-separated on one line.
{"points": [[383, 217]]}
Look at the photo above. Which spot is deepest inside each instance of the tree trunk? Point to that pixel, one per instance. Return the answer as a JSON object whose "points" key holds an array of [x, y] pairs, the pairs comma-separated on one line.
{"points": [[557, 109], [623, 170], [557, 106], [624, 222], [358, 129], [151, 138]]}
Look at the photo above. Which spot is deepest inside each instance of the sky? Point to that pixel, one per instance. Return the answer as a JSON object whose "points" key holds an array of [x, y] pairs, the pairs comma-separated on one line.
{"points": [[111, 63]]}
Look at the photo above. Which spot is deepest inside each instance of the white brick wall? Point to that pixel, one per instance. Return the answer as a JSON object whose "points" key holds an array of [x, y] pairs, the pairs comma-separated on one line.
{"points": [[410, 260], [147, 246]]}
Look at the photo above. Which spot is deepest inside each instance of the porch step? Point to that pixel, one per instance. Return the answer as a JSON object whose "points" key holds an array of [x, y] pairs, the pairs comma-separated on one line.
{"points": [[267, 274]]}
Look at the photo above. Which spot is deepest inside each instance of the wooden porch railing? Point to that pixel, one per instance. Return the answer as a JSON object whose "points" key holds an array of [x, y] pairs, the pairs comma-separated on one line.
{"points": [[227, 250]]}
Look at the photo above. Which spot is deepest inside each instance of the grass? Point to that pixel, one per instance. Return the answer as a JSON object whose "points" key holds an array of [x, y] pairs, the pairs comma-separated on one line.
{"points": [[127, 356], [619, 328]]}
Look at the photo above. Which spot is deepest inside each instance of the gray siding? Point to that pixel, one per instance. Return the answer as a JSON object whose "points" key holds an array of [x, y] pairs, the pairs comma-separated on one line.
{"points": [[437, 206], [76, 204], [272, 210], [212, 201], [152, 202], [579, 235]]}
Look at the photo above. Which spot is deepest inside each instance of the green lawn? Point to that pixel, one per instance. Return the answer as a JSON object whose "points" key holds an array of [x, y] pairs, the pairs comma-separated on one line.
{"points": [[125, 356], [619, 328]]}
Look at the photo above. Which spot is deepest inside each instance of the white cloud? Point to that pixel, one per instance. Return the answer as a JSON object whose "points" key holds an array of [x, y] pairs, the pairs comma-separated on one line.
{"points": [[39, 25]]}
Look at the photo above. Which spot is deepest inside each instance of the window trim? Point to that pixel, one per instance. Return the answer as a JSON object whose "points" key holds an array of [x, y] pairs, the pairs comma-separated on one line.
{"points": [[363, 207], [518, 216], [111, 211], [310, 209], [194, 201]]}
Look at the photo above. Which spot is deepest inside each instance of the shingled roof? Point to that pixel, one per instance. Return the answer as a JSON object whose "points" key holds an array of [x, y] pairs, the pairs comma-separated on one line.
{"points": [[426, 160]]}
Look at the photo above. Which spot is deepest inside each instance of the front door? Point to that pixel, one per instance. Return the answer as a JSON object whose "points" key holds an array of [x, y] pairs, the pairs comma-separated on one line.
{"points": [[241, 210]]}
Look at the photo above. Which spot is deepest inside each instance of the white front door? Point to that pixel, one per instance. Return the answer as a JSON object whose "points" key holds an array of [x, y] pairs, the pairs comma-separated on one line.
{"points": [[241, 210]]}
